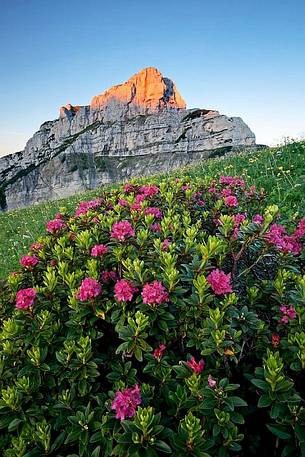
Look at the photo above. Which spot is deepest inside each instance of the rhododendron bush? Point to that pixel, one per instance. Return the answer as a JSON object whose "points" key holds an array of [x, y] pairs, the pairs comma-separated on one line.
{"points": [[158, 319]]}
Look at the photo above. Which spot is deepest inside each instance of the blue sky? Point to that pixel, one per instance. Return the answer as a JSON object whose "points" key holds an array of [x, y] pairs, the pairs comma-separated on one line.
{"points": [[244, 58]]}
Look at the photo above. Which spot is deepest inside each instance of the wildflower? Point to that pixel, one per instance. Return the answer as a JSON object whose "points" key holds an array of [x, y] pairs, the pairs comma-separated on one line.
{"points": [[158, 352], [231, 201], [288, 314], [185, 187], [212, 190], [149, 190], [300, 231], [121, 230], [156, 227], [154, 211], [276, 339], [53, 262], [197, 367], [238, 219], [36, 246], [58, 216], [28, 261], [220, 282], [99, 250], [258, 219], [286, 243], [165, 245], [107, 276], [125, 402], [136, 207], [90, 288], [124, 290], [25, 298], [128, 188], [226, 192], [55, 225], [154, 293], [123, 202], [212, 382], [85, 206]]}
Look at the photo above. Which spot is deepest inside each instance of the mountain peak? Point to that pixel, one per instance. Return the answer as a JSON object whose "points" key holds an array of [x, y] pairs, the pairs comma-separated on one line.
{"points": [[148, 89]]}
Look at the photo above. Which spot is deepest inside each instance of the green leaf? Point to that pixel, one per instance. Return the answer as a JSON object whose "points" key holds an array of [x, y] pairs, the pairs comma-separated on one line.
{"points": [[237, 401], [260, 384], [162, 446], [281, 431], [14, 424], [264, 401]]}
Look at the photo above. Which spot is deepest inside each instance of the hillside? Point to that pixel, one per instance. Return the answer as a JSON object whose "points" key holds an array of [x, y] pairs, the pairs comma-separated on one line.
{"points": [[280, 171]]}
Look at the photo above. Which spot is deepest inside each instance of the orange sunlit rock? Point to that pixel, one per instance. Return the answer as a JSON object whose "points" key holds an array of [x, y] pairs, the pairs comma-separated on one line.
{"points": [[148, 89]]}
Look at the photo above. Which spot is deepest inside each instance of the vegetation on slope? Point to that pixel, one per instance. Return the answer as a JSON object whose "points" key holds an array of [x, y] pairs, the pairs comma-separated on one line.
{"points": [[280, 171]]}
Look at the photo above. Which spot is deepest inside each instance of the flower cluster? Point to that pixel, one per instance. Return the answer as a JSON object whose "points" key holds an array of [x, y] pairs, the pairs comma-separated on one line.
{"points": [[122, 230], [220, 282], [197, 367], [154, 293], [288, 314], [99, 250], [56, 225], [90, 288], [25, 298], [124, 290], [125, 402], [29, 261]]}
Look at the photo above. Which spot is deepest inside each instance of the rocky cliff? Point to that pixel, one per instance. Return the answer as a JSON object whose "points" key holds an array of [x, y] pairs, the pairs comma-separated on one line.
{"points": [[137, 128]]}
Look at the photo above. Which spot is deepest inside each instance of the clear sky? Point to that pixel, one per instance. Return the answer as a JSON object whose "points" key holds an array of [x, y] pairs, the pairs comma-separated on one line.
{"points": [[241, 57]]}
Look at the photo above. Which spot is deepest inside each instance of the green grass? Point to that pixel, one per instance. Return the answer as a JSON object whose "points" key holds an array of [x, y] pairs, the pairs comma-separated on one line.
{"points": [[280, 171]]}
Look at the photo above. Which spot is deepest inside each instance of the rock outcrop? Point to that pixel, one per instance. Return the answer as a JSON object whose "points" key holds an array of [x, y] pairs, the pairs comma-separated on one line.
{"points": [[137, 128]]}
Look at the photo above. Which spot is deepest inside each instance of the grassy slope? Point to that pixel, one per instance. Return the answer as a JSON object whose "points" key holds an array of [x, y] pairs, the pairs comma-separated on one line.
{"points": [[280, 171]]}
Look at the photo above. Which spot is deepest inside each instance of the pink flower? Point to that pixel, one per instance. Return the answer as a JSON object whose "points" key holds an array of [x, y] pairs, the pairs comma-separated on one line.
{"points": [[128, 188], [154, 211], [84, 207], [277, 236], [28, 261], [226, 192], [231, 201], [140, 198], [185, 187], [196, 367], [220, 282], [212, 382], [276, 339], [154, 293], [158, 352], [300, 231], [107, 276], [258, 219], [238, 219], [36, 246], [55, 225], [99, 250], [123, 202], [136, 207], [212, 190], [58, 216], [156, 227], [288, 314], [89, 288], [149, 190], [165, 245], [25, 298], [232, 181], [121, 230], [124, 290], [125, 402]]}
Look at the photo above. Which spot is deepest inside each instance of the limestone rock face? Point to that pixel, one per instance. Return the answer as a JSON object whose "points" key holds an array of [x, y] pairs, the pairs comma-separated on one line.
{"points": [[138, 128]]}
